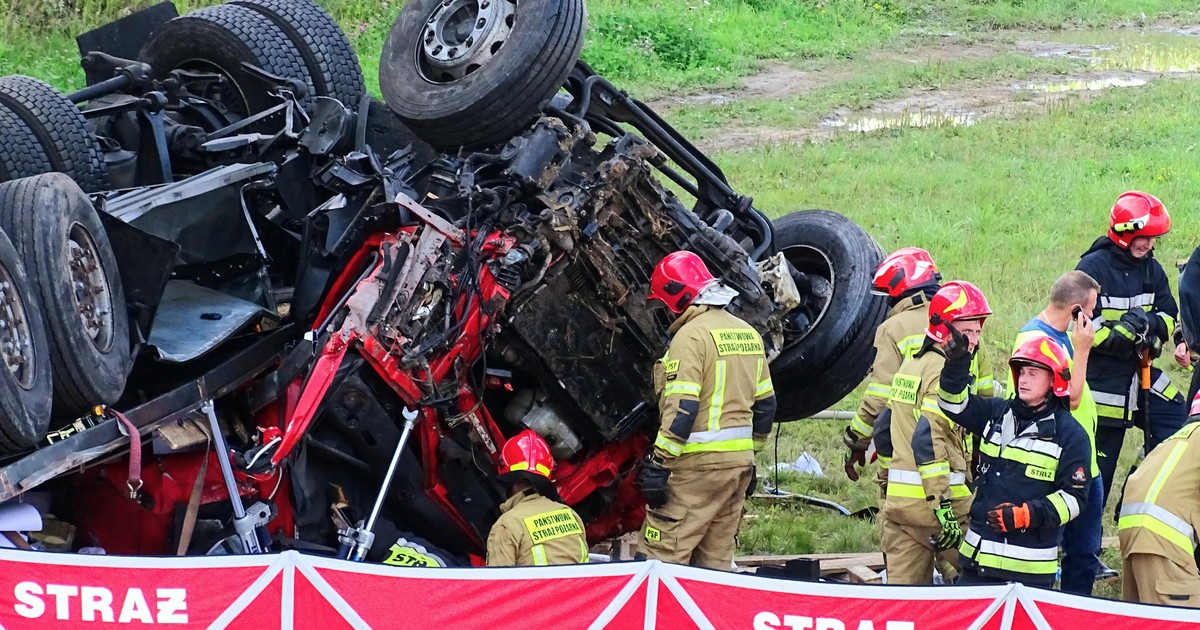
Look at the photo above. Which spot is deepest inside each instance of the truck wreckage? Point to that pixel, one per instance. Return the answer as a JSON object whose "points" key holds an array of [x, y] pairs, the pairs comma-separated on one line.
{"points": [[319, 315]]}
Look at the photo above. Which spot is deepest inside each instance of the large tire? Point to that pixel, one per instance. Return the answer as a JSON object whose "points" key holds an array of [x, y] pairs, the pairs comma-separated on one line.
{"points": [[70, 263], [327, 53], [25, 389], [219, 39], [497, 85], [44, 131], [828, 362]]}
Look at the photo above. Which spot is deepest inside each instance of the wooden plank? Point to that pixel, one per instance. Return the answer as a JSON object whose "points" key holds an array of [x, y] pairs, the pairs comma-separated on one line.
{"points": [[872, 561], [863, 575], [831, 563], [758, 561]]}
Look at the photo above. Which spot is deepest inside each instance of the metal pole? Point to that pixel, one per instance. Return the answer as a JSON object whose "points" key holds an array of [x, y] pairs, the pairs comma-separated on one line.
{"points": [[244, 526], [358, 540], [410, 420], [235, 497]]}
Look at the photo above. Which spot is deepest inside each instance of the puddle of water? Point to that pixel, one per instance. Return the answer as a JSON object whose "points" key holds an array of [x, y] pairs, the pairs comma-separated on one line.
{"points": [[1077, 85], [866, 123], [1153, 57], [1164, 52]]}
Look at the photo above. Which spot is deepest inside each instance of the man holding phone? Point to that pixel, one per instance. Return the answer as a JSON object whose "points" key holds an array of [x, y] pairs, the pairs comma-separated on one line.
{"points": [[1072, 299]]}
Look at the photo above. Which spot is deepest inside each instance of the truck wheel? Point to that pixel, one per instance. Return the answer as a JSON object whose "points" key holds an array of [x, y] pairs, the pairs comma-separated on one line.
{"points": [[44, 131], [219, 39], [327, 53], [25, 390], [473, 73], [60, 240], [818, 367]]}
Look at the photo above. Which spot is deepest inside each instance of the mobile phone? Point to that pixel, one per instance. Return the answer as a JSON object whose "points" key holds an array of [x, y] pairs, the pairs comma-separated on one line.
{"points": [[1076, 311]]}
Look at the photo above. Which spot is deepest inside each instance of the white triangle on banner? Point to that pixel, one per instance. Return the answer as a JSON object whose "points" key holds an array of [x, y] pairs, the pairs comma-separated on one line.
{"points": [[685, 600], [255, 589], [331, 595], [1021, 594], [622, 598]]}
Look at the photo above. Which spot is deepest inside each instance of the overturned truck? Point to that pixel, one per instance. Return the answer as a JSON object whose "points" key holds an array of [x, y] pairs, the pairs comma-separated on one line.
{"points": [[248, 306]]}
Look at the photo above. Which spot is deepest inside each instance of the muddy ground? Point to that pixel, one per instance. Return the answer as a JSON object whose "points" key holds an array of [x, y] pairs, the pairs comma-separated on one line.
{"points": [[1101, 60]]}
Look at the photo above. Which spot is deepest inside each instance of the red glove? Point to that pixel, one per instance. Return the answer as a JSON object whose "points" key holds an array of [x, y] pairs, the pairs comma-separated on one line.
{"points": [[1006, 517]]}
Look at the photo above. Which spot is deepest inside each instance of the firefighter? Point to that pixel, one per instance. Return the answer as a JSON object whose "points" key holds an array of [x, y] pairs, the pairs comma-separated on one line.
{"points": [[1160, 512], [1135, 316], [534, 528], [909, 278], [1034, 469], [927, 496], [1073, 297], [716, 406]]}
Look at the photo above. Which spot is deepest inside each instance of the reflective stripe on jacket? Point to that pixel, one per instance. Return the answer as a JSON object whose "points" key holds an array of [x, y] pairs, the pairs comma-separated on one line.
{"points": [[929, 458], [1161, 506], [716, 397], [535, 531]]}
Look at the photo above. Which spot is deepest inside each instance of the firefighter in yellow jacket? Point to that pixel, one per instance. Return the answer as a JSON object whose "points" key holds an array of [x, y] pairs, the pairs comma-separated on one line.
{"points": [[928, 501], [535, 528], [909, 278], [716, 406], [1159, 516]]}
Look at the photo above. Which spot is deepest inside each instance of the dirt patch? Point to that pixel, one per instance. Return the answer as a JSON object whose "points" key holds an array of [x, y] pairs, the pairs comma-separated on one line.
{"points": [[1127, 60], [777, 81]]}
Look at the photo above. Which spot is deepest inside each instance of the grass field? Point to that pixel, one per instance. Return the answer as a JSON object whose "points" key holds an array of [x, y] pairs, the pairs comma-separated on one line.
{"points": [[1007, 203]]}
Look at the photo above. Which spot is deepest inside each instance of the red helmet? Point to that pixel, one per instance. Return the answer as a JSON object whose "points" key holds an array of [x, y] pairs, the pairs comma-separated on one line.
{"points": [[678, 278], [903, 270], [1042, 351], [527, 451], [955, 301], [1137, 214], [1195, 410]]}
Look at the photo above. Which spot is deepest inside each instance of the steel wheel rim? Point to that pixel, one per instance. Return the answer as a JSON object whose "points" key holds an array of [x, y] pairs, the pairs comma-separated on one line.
{"points": [[462, 36], [819, 268], [16, 336], [90, 289]]}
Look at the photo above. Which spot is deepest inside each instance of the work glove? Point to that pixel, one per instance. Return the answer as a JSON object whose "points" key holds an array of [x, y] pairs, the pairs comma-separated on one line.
{"points": [[752, 487], [952, 533], [957, 347], [1007, 518], [857, 455], [1136, 323], [652, 482]]}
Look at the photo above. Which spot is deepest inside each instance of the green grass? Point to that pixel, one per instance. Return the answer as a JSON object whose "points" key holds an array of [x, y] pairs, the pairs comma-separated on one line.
{"points": [[1008, 205], [867, 83], [648, 47]]}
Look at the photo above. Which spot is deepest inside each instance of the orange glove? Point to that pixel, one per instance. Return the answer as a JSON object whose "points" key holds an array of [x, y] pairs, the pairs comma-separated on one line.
{"points": [[1006, 517]]}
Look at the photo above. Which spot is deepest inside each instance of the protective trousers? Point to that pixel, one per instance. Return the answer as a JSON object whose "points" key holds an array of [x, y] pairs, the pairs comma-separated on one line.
{"points": [[910, 557], [699, 523], [1153, 579]]}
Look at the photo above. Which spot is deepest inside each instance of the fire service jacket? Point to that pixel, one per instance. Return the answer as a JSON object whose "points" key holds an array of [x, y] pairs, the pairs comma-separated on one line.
{"points": [[536, 531], [1161, 509], [716, 399], [1041, 459], [1125, 283]]}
